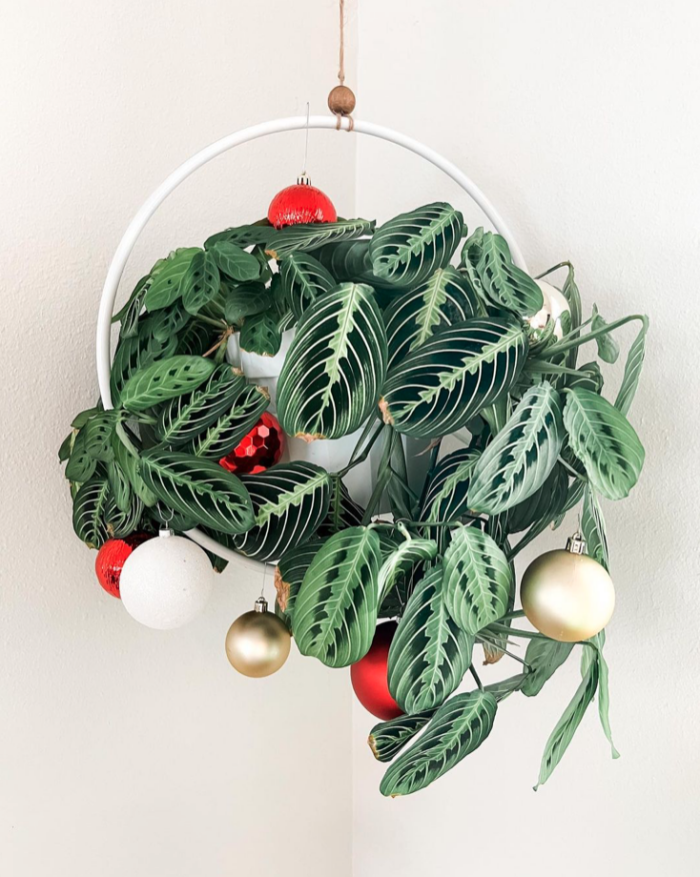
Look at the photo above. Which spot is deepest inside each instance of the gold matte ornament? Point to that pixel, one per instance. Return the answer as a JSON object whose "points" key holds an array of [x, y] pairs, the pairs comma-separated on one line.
{"points": [[258, 643], [567, 595]]}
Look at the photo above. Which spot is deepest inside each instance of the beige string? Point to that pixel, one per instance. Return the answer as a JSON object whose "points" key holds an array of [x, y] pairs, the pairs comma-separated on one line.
{"points": [[341, 68]]}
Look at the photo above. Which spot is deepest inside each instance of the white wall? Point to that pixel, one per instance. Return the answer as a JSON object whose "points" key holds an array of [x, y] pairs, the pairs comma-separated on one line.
{"points": [[125, 751], [579, 119]]}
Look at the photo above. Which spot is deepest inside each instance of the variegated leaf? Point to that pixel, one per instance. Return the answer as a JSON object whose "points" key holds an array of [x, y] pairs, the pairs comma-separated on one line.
{"points": [[336, 610], [312, 236], [429, 654], [605, 442], [289, 574], [408, 554], [166, 278], [164, 380], [304, 279], [633, 369], [446, 497], [335, 366], [458, 728], [221, 436], [506, 285], [387, 739], [593, 528], [199, 489], [409, 248], [442, 384], [201, 282], [289, 502], [443, 299], [91, 507], [518, 461], [478, 580]]}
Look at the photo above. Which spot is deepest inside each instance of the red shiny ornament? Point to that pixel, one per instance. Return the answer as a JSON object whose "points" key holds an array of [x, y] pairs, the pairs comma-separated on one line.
{"points": [[111, 558], [369, 676], [257, 451], [300, 203]]}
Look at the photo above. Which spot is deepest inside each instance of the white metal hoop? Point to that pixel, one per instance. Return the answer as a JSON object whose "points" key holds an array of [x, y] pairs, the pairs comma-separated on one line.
{"points": [[139, 222]]}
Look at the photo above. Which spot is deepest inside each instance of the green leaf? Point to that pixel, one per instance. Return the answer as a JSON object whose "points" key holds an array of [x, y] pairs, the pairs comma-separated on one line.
{"points": [[593, 528], [130, 314], [186, 416], [335, 366], [164, 380], [442, 384], [289, 502], [119, 486], [506, 285], [131, 466], [201, 282], [242, 235], [608, 348], [311, 236], [543, 657], [563, 733], [543, 506], [165, 287], [605, 442], [64, 451], [343, 511], [198, 488], [336, 610], [90, 508], [410, 247], [222, 436], [571, 293], [260, 334], [443, 299], [588, 376], [245, 301], [233, 261], [505, 687], [478, 579], [446, 496], [603, 689], [408, 553], [458, 728], [387, 739], [304, 279], [168, 322], [81, 466], [133, 354], [429, 654], [519, 460], [289, 575], [633, 369], [98, 436]]}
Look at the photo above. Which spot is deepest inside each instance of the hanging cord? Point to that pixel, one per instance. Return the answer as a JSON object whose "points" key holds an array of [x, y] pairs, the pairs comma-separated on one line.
{"points": [[341, 100]]}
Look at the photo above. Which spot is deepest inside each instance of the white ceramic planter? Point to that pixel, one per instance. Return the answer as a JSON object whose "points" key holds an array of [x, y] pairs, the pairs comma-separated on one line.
{"points": [[331, 454]]}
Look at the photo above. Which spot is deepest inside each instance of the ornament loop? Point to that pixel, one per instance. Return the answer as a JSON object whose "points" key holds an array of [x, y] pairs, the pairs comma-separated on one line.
{"points": [[261, 605]]}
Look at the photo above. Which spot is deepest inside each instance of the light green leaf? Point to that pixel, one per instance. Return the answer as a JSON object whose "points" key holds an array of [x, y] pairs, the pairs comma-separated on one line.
{"points": [[506, 285], [336, 610], [593, 528], [199, 489], [478, 580], [429, 654], [335, 366], [543, 657], [409, 248], [608, 348], [458, 728], [442, 384], [505, 687], [519, 460], [605, 442], [289, 502], [633, 369], [563, 733], [164, 380]]}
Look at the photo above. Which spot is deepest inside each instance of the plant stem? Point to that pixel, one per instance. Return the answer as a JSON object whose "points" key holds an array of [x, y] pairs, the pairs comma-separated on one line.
{"points": [[500, 648], [476, 677], [552, 270], [217, 324], [564, 345], [571, 469], [356, 460]]}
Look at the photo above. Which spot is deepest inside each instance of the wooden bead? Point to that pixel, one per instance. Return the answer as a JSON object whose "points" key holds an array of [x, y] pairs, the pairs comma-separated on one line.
{"points": [[341, 100]]}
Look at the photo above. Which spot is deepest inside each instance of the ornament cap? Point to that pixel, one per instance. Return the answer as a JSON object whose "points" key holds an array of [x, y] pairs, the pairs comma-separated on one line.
{"points": [[261, 605], [576, 544], [165, 532], [303, 179]]}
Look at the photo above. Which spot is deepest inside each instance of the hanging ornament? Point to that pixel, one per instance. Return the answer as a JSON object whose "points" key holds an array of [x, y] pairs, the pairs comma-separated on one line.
{"points": [[369, 675], [301, 203], [567, 595], [166, 582], [258, 643], [111, 558], [554, 307], [261, 448]]}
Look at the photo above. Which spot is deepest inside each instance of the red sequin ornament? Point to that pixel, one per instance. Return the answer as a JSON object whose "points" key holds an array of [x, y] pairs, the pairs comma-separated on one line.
{"points": [[369, 675], [300, 203], [257, 451], [111, 558]]}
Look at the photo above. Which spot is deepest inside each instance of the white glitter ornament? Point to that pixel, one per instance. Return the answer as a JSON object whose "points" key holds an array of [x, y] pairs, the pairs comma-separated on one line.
{"points": [[167, 584]]}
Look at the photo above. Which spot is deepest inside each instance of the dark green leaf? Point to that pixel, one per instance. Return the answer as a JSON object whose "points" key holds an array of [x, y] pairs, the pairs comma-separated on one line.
{"points": [[233, 261], [90, 506], [387, 739], [167, 278], [222, 436], [309, 237], [201, 282], [304, 279], [260, 334], [242, 235], [289, 575], [245, 301], [506, 285], [81, 466], [543, 657], [164, 380]]}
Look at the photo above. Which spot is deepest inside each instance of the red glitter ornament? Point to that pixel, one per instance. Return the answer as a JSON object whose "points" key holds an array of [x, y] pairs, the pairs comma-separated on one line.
{"points": [[369, 676], [257, 451], [301, 203], [111, 558]]}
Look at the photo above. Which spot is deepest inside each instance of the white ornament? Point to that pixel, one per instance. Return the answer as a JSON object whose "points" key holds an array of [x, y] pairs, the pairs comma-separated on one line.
{"points": [[554, 306], [166, 582]]}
